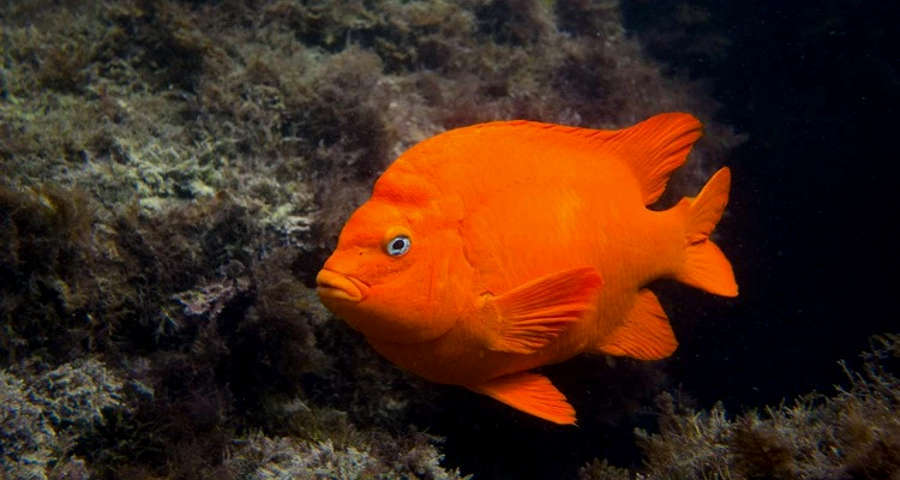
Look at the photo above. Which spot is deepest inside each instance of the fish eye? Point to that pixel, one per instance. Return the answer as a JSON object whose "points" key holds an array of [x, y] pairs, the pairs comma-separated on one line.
{"points": [[398, 245]]}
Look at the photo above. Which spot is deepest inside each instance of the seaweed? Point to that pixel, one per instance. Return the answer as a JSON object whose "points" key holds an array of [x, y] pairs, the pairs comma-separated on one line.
{"points": [[602, 470], [45, 272], [175, 172], [853, 434], [264, 458]]}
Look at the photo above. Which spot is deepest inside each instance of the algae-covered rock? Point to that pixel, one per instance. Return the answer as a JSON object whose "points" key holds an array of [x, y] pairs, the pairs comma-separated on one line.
{"points": [[853, 433], [263, 458], [43, 419], [174, 173], [28, 437]]}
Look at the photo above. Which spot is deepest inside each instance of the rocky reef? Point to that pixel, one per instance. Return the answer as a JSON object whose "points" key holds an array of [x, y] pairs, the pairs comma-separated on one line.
{"points": [[175, 172], [853, 433]]}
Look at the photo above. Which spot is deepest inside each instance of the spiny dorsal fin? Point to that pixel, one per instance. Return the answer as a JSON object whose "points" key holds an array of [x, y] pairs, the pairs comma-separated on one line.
{"points": [[655, 148], [646, 333], [530, 393], [528, 317]]}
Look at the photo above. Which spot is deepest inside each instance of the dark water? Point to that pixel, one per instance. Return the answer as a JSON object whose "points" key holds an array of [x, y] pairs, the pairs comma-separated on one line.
{"points": [[815, 84], [814, 201]]}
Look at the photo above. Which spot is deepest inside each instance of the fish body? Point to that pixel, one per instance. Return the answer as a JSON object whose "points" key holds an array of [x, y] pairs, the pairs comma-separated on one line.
{"points": [[489, 250]]}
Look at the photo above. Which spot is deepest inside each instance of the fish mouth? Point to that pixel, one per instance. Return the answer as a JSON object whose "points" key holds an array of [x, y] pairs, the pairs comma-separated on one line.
{"points": [[331, 284]]}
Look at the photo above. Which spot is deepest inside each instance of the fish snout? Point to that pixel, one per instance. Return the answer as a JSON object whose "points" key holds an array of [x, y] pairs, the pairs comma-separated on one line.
{"points": [[331, 284]]}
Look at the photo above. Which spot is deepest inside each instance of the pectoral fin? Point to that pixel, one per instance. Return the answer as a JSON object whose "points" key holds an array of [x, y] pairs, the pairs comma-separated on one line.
{"points": [[646, 333], [530, 393], [528, 317]]}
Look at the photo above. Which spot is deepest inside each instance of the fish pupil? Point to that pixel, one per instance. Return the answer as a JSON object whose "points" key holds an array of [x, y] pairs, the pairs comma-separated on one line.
{"points": [[398, 246]]}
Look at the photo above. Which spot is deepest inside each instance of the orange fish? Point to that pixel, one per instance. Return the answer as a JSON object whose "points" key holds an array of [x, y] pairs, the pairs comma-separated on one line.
{"points": [[489, 250]]}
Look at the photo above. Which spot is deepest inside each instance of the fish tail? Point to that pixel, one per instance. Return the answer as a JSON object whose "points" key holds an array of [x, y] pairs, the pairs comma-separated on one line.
{"points": [[705, 265]]}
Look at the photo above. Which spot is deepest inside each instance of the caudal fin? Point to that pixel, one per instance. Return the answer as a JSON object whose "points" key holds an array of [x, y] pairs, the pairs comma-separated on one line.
{"points": [[705, 266]]}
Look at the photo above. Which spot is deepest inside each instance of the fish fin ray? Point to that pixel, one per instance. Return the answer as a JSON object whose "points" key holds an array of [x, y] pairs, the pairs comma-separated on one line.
{"points": [[646, 333], [656, 147], [705, 266], [531, 393], [530, 316]]}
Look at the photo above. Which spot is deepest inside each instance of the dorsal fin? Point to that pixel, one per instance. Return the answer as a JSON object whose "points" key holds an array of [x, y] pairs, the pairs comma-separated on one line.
{"points": [[653, 148], [656, 147]]}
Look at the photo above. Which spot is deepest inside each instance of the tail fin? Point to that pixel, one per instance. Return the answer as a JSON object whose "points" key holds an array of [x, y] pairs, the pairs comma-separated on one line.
{"points": [[705, 266]]}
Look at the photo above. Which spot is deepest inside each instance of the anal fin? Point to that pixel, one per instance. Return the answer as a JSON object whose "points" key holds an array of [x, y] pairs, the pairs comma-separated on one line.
{"points": [[646, 333], [532, 394]]}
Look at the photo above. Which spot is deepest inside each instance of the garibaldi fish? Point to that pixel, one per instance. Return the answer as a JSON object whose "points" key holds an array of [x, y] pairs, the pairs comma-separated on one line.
{"points": [[489, 250]]}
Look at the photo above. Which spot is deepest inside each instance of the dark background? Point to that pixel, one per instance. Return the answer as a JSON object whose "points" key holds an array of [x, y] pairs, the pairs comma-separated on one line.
{"points": [[815, 85], [808, 230]]}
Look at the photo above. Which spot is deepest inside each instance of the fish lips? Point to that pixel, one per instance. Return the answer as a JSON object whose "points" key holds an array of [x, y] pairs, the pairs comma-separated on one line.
{"points": [[334, 285]]}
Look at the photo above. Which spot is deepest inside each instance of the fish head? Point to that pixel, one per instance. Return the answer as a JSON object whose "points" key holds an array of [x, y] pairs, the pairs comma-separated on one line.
{"points": [[390, 275]]}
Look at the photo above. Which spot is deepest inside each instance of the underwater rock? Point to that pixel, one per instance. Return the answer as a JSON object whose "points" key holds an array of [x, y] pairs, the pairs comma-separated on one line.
{"points": [[853, 433], [28, 436], [263, 458], [174, 182], [41, 420]]}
